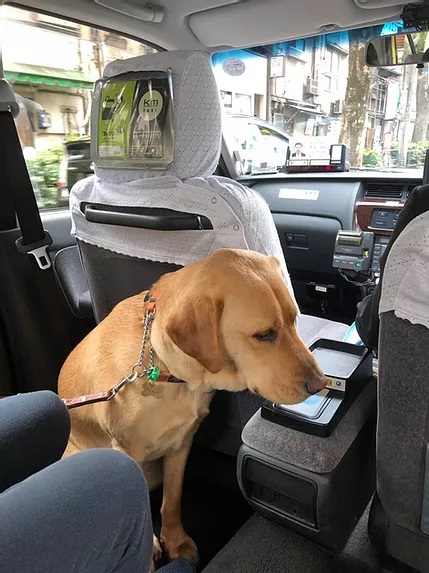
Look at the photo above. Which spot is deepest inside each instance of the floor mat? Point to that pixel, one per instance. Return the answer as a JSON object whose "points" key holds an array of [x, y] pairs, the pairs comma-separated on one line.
{"points": [[262, 546], [213, 507]]}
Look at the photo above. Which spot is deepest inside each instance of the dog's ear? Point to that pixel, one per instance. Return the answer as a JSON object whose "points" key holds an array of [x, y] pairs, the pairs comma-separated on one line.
{"points": [[196, 331]]}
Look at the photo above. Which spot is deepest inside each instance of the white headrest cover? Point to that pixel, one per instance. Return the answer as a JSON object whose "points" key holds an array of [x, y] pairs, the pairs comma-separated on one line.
{"points": [[197, 114], [405, 288]]}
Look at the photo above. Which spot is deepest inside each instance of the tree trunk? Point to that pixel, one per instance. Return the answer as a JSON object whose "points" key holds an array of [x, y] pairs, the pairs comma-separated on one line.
{"points": [[408, 96], [422, 107], [357, 97], [422, 95]]}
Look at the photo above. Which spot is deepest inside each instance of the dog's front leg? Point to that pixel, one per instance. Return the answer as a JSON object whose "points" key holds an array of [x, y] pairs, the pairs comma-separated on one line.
{"points": [[176, 541]]}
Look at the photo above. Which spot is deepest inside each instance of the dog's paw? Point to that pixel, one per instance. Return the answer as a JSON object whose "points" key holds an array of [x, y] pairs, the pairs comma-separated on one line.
{"points": [[156, 555], [177, 543], [157, 551]]}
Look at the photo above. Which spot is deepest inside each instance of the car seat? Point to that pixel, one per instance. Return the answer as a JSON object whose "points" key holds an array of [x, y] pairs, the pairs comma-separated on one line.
{"points": [[133, 225], [399, 519]]}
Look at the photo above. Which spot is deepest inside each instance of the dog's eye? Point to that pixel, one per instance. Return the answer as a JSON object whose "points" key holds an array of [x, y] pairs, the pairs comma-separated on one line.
{"points": [[268, 336]]}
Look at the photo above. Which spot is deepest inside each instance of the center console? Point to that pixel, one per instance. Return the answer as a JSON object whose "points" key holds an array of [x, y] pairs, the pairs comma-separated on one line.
{"points": [[380, 244], [311, 467]]}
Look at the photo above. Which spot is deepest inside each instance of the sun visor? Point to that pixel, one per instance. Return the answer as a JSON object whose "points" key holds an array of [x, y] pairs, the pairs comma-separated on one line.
{"points": [[374, 4], [255, 23], [132, 121]]}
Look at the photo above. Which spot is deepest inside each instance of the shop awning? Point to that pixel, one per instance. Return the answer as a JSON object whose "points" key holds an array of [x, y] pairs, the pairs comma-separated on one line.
{"points": [[309, 110], [296, 105], [40, 75]]}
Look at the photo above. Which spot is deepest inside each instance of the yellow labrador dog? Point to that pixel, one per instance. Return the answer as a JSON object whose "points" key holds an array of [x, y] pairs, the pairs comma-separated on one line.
{"points": [[226, 322]]}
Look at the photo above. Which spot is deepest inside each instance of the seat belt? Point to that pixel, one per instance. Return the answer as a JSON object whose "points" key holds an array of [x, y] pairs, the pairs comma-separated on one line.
{"points": [[35, 240]]}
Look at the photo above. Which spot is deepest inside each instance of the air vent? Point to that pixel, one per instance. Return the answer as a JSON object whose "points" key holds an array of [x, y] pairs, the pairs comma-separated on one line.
{"points": [[384, 190]]}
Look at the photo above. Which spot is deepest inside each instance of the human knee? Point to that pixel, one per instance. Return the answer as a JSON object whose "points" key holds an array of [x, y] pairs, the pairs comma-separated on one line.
{"points": [[121, 473], [38, 421], [57, 412], [55, 419]]}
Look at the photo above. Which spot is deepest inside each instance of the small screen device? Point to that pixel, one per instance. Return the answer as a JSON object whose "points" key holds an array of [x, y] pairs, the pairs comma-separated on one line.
{"points": [[338, 155], [310, 408], [348, 368]]}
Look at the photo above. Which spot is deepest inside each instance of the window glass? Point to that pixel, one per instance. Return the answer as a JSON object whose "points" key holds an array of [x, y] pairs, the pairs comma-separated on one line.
{"points": [[318, 92], [52, 73], [256, 147]]}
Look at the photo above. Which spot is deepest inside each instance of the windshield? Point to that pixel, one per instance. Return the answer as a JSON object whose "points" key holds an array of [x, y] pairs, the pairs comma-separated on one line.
{"points": [[299, 97], [318, 91]]}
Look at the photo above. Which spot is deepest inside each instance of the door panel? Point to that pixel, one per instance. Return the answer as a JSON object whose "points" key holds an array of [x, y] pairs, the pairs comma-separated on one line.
{"points": [[58, 223], [37, 327]]}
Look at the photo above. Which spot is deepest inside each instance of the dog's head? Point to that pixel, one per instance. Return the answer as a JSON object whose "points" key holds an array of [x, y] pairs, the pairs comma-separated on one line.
{"points": [[233, 311]]}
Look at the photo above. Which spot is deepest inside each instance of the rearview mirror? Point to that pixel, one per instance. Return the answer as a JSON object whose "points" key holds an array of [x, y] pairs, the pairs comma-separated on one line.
{"points": [[398, 50]]}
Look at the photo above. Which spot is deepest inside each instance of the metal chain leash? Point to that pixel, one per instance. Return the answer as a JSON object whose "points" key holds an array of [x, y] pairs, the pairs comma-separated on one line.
{"points": [[139, 370], [152, 373]]}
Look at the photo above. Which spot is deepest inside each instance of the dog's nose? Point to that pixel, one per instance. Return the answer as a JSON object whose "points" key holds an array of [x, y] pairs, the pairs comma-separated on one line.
{"points": [[315, 384]]}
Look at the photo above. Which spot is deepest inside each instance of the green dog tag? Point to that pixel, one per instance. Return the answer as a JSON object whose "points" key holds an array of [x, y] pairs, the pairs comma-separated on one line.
{"points": [[154, 374]]}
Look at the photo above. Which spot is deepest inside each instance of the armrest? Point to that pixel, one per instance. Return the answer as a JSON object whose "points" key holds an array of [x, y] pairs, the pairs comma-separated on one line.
{"points": [[71, 277], [312, 453]]}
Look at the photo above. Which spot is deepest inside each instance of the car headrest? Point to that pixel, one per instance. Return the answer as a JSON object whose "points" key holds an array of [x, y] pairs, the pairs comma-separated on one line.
{"points": [[196, 114]]}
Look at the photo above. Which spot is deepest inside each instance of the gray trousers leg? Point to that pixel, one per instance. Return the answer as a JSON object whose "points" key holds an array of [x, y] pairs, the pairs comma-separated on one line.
{"points": [[89, 513]]}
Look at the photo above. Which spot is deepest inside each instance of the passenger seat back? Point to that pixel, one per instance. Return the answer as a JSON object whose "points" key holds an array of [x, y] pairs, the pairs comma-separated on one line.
{"points": [[399, 520], [132, 225], [174, 217]]}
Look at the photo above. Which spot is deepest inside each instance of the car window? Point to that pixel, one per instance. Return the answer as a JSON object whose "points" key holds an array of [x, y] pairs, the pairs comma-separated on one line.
{"points": [[319, 92], [53, 72]]}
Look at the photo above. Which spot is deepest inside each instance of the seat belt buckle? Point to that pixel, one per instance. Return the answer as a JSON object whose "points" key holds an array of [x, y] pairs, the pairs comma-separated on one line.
{"points": [[39, 250]]}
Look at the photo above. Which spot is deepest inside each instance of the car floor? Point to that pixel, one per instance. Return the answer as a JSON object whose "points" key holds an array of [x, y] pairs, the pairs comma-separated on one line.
{"points": [[231, 538], [213, 507], [262, 546]]}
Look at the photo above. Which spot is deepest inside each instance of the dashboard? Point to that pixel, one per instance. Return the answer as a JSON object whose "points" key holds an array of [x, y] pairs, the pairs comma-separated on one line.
{"points": [[309, 210]]}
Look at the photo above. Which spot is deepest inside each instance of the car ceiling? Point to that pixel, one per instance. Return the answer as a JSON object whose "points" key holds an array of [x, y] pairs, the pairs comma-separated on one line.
{"points": [[214, 25]]}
